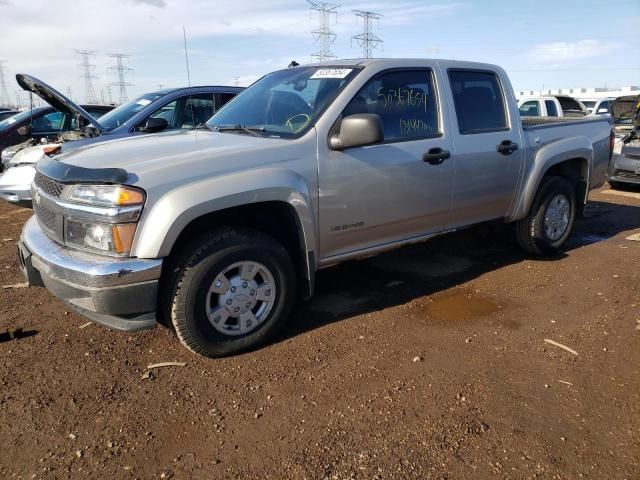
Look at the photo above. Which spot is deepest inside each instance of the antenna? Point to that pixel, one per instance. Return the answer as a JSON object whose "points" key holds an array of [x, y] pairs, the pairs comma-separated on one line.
{"points": [[121, 69], [186, 57], [323, 34], [87, 68], [367, 40], [4, 93]]}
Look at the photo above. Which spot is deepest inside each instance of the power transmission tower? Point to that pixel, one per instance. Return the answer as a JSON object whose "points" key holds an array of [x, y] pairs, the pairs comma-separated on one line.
{"points": [[109, 93], [18, 102], [323, 34], [87, 74], [121, 69], [5, 100], [236, 81], [367, 40], [69, 93]]}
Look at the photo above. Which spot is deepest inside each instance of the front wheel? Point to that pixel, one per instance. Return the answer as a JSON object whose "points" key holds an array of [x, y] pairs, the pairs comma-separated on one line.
{"points": [[230, 291], [551, 218]]}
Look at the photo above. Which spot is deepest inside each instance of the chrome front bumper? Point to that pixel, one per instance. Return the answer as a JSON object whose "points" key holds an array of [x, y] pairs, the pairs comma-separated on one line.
{"points": [[120, 293]]}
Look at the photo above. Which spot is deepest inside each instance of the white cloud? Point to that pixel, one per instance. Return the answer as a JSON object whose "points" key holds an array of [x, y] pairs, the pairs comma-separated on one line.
{"points": [[566, 51]]}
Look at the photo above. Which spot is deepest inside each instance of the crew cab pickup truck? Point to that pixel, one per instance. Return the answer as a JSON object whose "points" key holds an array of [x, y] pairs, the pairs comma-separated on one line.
{"points": [[218, 230]]}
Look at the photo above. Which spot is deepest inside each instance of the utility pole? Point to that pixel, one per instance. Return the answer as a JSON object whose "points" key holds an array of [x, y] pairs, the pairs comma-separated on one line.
{"points": [[160, 85], [367, 40], [5, 100], [121, 69], [323, 34], [87, 74]]}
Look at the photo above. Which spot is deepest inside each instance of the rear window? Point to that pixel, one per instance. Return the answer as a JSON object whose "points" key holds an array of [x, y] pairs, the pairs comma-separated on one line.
{"points": [[479, 101], [552, 110], [530, 109]]}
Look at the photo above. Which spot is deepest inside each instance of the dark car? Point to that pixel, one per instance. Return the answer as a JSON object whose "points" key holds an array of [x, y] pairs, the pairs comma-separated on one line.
{"points": [[43, 122], [6, 113]]}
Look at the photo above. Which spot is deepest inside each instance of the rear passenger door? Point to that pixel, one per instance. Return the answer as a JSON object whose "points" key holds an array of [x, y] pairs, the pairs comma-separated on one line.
{"points": [[488, 153]]}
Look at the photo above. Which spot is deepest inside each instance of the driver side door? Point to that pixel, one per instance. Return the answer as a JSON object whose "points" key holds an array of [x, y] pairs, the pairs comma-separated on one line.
{"points": [[375, 195]]}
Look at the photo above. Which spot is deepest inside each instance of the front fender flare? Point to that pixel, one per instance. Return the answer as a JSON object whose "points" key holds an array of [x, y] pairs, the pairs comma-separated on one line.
{"points": [[161, 226]]}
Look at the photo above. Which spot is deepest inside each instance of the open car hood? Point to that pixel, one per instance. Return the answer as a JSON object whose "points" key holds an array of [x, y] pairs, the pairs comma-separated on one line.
{"points": [[54, 98], [626, 107]]}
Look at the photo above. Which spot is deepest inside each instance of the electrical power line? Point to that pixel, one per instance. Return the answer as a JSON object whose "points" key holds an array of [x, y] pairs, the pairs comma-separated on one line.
{"points": [[5, 100], [367, 40], [87, 73], [323, 34], [121, 69]]}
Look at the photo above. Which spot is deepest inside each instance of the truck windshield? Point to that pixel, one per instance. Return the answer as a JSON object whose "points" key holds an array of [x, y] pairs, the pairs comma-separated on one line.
{"points": [[283, 104], [124, 112]]}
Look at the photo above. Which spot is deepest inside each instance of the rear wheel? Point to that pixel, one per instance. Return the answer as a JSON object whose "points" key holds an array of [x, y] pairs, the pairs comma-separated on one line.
{"points": [[550, 219], [231, 290]]}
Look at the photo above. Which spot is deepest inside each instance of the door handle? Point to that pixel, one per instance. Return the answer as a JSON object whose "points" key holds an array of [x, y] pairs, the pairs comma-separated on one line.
{"points": [[507, 147], [436, 156]]}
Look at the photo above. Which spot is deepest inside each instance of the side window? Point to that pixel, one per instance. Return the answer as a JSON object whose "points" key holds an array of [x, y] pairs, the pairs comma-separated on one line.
{"points": [[404, 100], [530, 109], [223, 98], [604, 105], [168, 112], [552, 110], [52, 122], [478, 100], [198, 108]]}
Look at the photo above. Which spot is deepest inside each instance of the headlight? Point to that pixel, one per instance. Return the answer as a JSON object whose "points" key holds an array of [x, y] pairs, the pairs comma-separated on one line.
{"points": [[99, 237], [106, 195]]}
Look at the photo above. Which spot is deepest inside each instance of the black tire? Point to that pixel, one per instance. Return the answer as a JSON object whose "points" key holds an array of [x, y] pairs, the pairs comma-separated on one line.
{"points": [[531, 234], [193, 272]]}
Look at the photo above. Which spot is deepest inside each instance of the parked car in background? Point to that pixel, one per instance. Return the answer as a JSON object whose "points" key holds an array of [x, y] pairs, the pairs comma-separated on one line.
{"points": [[624, 168], [43, 122], [163, 110], [7, 113], [552, 106], [598, 106], [216, 229]]}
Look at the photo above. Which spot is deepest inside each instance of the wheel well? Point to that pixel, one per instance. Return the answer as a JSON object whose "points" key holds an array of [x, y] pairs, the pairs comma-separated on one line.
{"points": [[277, 219], [576, 170]]}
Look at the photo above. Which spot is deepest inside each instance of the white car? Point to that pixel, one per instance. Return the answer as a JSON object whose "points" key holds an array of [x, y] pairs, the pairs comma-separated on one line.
{"points": [[552, 106], [598, 106], [15, 182]]}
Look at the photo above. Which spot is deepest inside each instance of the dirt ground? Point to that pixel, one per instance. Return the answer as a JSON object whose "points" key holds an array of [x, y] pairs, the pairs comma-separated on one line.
{"points": [[427, 362]]}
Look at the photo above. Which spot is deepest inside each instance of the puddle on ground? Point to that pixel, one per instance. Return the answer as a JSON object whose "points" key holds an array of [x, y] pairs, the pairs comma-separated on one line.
{"points": [[460, 305]]}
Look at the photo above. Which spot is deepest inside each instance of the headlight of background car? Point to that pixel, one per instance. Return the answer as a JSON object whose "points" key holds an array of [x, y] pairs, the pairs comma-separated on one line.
{"points": [[102, 234]]}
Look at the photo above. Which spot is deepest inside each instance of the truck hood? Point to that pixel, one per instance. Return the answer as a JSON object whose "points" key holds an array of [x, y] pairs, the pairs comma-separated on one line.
{"points": [[54, 98], [169, 157]]}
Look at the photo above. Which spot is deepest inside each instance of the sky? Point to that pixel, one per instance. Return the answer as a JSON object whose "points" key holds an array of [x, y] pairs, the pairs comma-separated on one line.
{"points": [[541, 43]]}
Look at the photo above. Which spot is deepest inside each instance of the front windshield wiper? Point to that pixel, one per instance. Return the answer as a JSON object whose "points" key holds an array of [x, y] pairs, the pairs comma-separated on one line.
{"points": [[202, 126], [251, 130]]}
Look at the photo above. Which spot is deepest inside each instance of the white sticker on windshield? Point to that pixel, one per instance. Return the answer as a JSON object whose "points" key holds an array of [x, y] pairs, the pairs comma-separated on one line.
{"points": [[144, 102], [11, 120], [332, 73]]}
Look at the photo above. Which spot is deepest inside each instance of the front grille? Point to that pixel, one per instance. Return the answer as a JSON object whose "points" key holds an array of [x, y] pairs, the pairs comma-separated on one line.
{"points": [[48, 186], [46, 217], [627, 174]]}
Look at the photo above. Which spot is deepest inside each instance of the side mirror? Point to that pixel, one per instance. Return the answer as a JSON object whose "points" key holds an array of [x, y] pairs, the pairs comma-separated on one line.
{"points": [[155, 125], [358, 130], [603, 110], [24, 131]]}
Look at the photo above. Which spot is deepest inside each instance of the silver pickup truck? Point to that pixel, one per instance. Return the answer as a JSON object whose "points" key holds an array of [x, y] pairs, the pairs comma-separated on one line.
{"points": [[219, 230]]}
